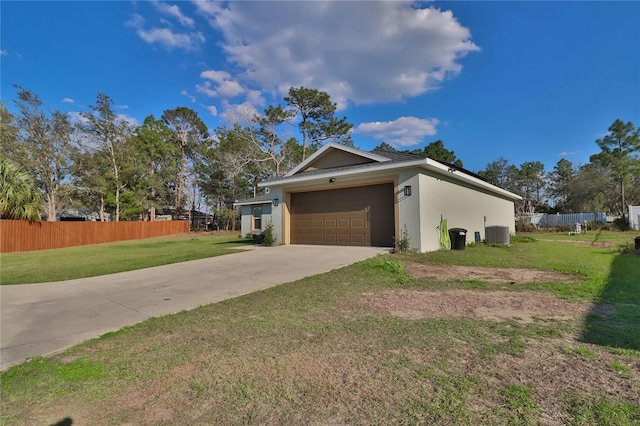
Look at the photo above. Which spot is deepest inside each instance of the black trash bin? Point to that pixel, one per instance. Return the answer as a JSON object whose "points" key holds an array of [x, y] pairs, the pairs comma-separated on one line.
{"points": [[458, 238], [637, 243]]}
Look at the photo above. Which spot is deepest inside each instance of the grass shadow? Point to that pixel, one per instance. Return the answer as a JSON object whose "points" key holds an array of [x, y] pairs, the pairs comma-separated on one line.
{"points": [[620, 329], [244, 241]]}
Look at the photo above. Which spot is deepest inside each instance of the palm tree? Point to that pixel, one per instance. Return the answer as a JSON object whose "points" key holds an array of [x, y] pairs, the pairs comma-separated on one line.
{"points": [[19, 199]]}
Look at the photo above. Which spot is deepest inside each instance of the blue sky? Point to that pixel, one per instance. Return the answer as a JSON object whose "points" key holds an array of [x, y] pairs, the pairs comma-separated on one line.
{"points": [[528, 81]]}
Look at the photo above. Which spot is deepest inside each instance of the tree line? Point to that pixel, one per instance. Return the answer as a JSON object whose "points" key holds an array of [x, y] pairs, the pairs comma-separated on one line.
{"points": [[171, 164], [174, 164]]}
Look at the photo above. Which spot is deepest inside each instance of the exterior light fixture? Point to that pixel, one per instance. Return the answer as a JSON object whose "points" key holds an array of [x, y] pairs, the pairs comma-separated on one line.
{"points": [[332, 180], [407, 191], [275, 202]]}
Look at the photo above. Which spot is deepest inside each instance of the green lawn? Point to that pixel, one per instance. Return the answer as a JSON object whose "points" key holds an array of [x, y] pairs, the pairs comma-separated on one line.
{"points": [[100, 259], [313, 352]]}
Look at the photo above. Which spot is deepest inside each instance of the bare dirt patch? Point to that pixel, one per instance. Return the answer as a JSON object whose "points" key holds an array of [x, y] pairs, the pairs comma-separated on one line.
{"points": [[494, 305], [513, 275], [598, 244]]}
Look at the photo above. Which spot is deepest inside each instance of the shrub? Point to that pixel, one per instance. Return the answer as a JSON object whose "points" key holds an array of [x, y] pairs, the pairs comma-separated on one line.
{"points": [[402, 245], [268, 238], [522, 226]]}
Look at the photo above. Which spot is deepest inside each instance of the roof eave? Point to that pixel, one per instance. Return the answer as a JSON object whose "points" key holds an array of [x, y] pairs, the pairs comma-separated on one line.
{"points": [[425, 163], [251, 203], [462, 176]]}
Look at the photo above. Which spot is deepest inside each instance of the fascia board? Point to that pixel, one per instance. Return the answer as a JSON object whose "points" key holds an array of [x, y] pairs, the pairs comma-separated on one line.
{"points": [[334, 145], [250, 203], [342, 173], [425, 163], [462, 176]]}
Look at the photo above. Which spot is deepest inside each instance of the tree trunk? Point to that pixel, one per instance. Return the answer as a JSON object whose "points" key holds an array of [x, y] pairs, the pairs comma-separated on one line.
{"points": [[623, 207], [118, 204], [101, 208], [180, 182], [152, 208], [50, 207]]}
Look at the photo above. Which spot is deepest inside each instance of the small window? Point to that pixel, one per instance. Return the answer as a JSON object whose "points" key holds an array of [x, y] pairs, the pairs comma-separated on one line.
{"points": [[257, 218]]}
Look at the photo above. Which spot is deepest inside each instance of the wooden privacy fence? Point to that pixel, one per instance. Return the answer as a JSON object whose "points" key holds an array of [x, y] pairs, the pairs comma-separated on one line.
{"points": [[21, 235]]}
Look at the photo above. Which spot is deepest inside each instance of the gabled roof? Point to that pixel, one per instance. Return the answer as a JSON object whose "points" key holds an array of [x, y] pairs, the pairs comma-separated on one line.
{"points": [[332, 146], [396, 156], [260, 199], [380, 161]]}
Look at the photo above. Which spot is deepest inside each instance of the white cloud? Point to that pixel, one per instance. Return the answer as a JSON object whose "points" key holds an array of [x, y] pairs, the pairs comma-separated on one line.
{"points": [[131, 121], [239, 113], [165, 36], [229, 89], [185, 93], [68, 101], [3, 52], [76, 118], [217, 76], [403, 132], [254, 97], [225, 88], [567, 153], [121, 106], [174, 11], [212, 110], [170, 40], [364, 52], [206, 89], [136, 21]]}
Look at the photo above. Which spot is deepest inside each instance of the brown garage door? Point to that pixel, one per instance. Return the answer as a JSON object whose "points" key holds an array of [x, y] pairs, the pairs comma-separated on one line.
{"points": [[360, 216]]}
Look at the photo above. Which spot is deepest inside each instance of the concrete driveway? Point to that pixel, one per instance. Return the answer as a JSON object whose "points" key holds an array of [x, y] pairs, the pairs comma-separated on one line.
{"points": [[41, 319]]}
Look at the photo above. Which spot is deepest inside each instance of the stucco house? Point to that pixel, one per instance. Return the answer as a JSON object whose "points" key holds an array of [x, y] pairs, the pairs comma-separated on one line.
{"points": [[345, 196]]}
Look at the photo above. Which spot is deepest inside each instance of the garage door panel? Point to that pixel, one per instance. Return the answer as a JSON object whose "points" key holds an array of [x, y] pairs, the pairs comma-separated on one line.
{"points": [[358, 223], [358, 239], [302, 239], [363, 216]]}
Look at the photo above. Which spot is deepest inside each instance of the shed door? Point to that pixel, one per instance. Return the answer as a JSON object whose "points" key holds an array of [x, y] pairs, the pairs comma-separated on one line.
{"points": [[360, 216]]}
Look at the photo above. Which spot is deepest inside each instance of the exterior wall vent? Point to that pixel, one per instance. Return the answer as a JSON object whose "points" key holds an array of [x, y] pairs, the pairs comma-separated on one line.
{"points": [[496, 234]]}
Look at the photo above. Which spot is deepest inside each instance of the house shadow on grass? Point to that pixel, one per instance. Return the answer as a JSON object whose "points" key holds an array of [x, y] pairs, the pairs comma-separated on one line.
{"points": [[622, 328], [68, 421]]}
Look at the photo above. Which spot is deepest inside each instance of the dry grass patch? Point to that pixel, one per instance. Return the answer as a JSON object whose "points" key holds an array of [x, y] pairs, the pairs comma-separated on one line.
{"points": [[557, 368], [513, 275], [523, 306]]}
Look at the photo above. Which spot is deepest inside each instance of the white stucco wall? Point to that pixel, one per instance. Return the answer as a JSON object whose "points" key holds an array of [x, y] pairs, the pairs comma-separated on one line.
{"points": [[246, 218], [409, 209], [276, 215], [462, 206]]}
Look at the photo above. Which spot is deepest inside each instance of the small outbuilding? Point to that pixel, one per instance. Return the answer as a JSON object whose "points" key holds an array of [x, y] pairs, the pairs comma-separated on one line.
{"points": [[345, 196], [255, 214], [634, 217]]}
